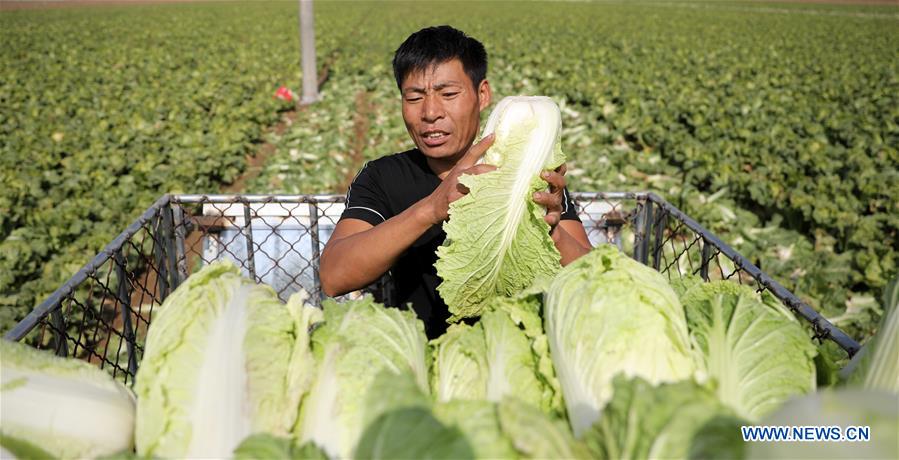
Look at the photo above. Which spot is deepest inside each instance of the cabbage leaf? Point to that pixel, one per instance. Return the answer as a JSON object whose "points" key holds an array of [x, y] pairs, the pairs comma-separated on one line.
{"points": [[269, 447], [495, 358], [459, 369], [525, 310], [878, 367], [479, 422], [412, 432], [399, 422], [844, 407], [534, 434], [511, 365]]}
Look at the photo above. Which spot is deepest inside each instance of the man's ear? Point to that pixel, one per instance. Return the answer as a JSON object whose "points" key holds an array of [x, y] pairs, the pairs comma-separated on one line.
{"points": [[484, 94]]}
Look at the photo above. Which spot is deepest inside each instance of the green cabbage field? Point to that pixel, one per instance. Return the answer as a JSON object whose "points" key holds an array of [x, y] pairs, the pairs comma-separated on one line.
{"points": [[775, 125]]}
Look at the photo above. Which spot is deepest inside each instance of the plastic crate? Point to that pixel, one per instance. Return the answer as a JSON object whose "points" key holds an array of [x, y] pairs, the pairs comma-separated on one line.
{"points": [[102, 313]]}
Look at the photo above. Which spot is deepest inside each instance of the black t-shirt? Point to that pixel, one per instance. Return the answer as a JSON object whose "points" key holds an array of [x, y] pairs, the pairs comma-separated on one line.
{"points": [[388, 186]]}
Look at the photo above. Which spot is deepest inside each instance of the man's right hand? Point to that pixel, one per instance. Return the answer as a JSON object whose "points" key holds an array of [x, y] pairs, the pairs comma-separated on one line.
{"points": [[347, 261], [450, 190]]}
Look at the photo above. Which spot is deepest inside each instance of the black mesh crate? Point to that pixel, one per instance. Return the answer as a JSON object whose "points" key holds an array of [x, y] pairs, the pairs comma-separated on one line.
{"points": [[102, 313]]}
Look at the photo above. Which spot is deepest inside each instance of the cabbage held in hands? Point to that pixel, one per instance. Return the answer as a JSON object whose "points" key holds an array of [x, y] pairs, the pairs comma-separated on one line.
{"points": [[497, 242]]}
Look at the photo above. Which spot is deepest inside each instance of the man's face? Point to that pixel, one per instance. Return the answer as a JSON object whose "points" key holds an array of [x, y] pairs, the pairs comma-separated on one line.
{"points": [[441, 109]]}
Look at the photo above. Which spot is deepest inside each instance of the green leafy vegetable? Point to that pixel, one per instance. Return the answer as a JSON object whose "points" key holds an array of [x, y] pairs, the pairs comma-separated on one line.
{"points": [[493, 359], [536, 435], [879, 364], [497, 241], [605, 315], [222, 362], [525, 310], [479, 422], [844, 407], [460, 363], [360, 342], [57, 407], [674, 420], [399, 423], [511, 365], [17, 448], [269, 447], [757, 352], [412, 432]]}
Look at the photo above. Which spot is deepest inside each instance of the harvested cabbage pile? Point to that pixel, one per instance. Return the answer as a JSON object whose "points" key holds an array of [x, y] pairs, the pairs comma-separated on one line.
{"points": [[604, 360]]}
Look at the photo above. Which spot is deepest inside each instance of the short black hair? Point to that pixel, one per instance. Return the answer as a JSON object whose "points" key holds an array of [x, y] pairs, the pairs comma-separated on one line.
{"points": [[435, 45]]}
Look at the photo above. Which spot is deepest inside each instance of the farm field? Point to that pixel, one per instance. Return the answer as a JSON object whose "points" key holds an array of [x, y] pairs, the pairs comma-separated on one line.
{"points": [[774, 125]]}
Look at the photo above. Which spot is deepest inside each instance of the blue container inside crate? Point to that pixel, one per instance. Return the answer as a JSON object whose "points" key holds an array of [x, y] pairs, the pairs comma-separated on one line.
{"points": [[283, 244]]}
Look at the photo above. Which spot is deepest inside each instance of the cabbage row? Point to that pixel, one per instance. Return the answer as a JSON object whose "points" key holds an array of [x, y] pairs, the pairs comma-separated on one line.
{"points": [[604, 360]]}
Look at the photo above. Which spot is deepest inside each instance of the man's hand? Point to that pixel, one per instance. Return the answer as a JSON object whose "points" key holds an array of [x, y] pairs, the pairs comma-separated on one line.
{"points": [[450, 189], [552, 199], [569, 236]]}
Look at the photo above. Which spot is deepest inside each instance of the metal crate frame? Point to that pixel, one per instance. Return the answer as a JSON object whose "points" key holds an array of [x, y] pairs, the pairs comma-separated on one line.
{"points": [[102, 313]]}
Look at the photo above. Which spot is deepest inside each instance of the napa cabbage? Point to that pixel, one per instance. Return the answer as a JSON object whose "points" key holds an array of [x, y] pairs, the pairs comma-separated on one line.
{"points": [[525, 310], [224, 359], [358, 341], [479, 422], [605, 315], [399, 422], [61, 407], [534, 434], [459, 369], [270, 447], [756, 351], [412, 432], [877, 366], [504, 354], [497, 242], [669, 420]]}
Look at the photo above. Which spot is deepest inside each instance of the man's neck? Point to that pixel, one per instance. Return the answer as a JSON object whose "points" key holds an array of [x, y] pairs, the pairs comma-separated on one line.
{"points": [[442, 166]]}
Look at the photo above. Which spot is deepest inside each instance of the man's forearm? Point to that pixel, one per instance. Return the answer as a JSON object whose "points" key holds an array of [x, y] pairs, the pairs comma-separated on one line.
{"points": [[569, 247], [357, 260]]}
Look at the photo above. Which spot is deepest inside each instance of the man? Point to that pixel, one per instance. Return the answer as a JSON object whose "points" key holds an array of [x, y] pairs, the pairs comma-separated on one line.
{"points": [[397, 204]]}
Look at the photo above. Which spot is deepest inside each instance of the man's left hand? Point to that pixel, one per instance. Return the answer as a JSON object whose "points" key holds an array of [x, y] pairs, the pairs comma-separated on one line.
{"points": [[553, 198]]}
